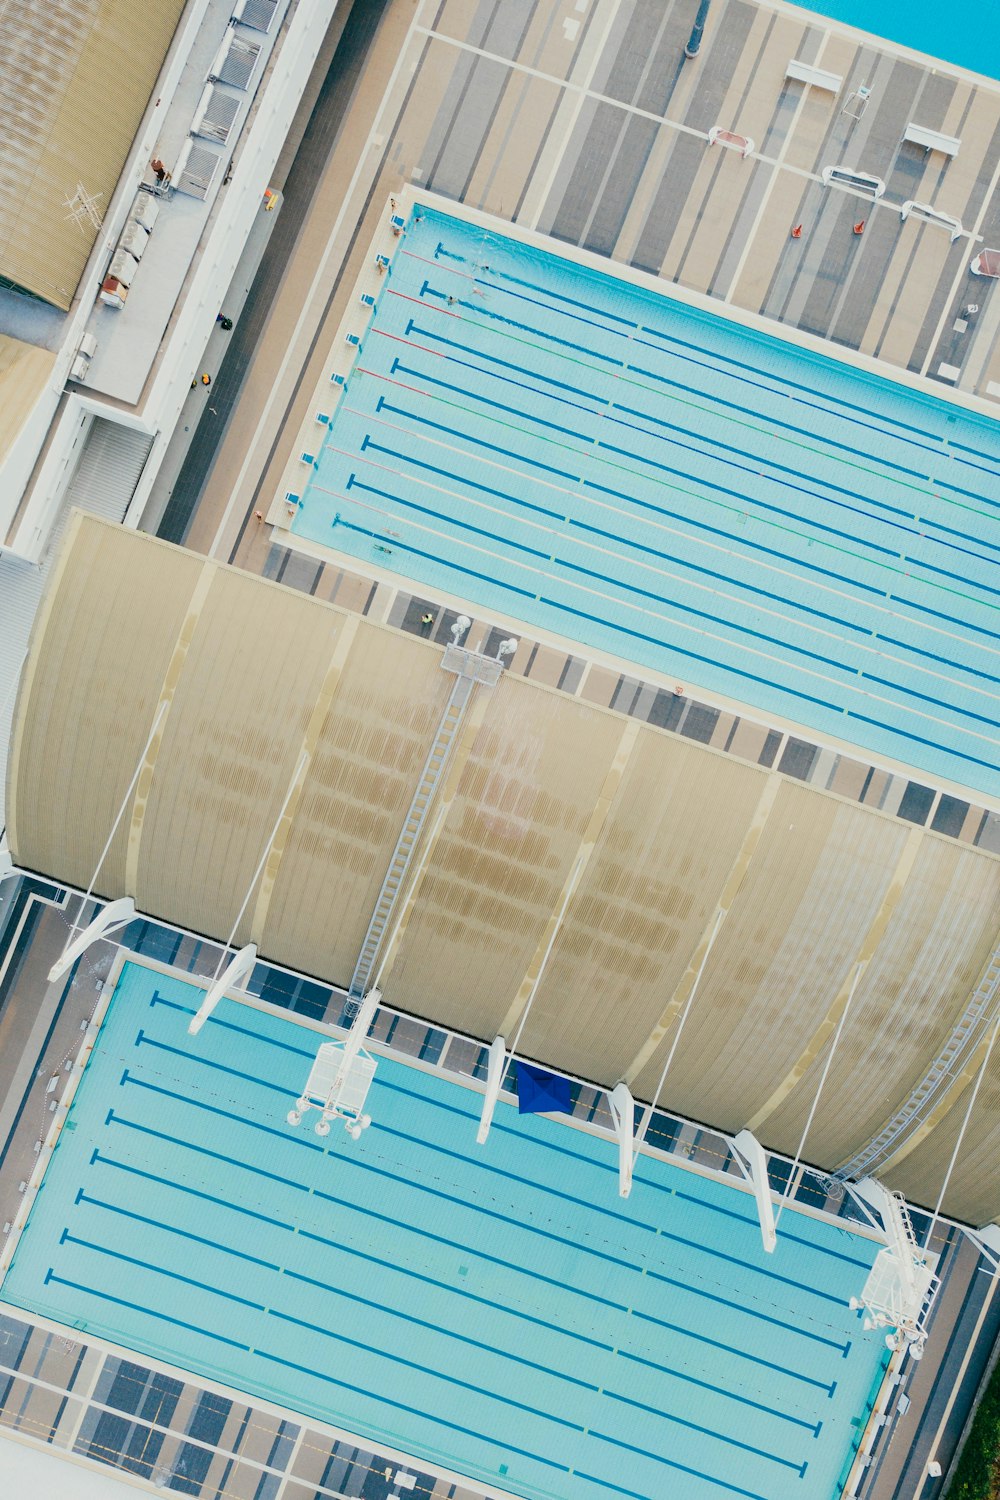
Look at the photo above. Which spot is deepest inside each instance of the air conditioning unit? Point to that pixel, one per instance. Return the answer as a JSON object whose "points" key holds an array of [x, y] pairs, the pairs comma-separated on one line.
{"points": [[144, 211], [123, 267], [88, 345], [80, 368], [134, 239]]}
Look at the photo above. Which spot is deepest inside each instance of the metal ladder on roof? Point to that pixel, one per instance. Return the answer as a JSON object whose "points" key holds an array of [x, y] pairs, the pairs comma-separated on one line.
{"points": [[978, 1014], [471, 669]]}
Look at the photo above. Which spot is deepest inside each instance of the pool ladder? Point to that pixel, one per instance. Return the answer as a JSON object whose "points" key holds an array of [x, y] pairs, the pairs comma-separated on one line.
{"points": [[471, 670]]}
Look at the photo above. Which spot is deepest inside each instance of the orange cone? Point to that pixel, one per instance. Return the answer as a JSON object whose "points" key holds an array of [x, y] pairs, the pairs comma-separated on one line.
{"points": [[859, 227], [797, 232]]}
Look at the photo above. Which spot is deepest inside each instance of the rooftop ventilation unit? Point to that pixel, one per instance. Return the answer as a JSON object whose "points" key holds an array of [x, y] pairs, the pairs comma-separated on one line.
{"points": [[144, 211], [238, 63], [256, 13], [123, 267], [134, 239], [216, 115], [196, 170]]}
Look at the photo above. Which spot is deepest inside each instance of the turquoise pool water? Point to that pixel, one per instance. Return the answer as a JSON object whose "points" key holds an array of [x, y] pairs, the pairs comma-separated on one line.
{"points": [[498, 1311], [965, 33], [559, 446]]}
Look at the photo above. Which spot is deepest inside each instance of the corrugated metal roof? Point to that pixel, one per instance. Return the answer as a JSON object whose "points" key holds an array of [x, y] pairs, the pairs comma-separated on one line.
{"points": [[75, 77]]}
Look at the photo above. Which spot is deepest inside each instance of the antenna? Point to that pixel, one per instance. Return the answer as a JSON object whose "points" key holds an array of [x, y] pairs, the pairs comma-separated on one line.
{"points": [[83, 208]]}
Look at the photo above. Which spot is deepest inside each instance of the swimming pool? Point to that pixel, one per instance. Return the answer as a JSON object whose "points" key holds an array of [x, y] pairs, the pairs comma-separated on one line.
{"points": [[497, 1311], [563, 447], [962, 34]]}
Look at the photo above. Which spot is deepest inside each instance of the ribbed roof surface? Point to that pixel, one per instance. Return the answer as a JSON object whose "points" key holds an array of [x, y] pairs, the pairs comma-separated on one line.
{"points": [[650, 842], [75, 77]]}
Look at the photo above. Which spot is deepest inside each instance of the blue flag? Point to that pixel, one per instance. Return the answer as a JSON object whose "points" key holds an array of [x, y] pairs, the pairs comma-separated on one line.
{"points": [[539, 1092]]}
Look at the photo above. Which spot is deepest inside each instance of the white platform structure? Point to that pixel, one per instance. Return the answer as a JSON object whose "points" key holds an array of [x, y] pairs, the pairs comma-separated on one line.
{"points": [[865, 183], [901, 1285], [817, 78], [931, 215], [932, 140], [340, 1078]]}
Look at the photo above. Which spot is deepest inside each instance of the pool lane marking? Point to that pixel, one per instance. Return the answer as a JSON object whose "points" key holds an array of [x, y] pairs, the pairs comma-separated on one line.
{"points": [[148, 1312], [101, 1158], [825, 494], [604, 623], [824, 531], [391, 540], [925, 485], [185, 1234], [937, 448], [692, 531], [797, 623], [113, 1118], [71, 1239], [470, 1249], [573, 1426]]}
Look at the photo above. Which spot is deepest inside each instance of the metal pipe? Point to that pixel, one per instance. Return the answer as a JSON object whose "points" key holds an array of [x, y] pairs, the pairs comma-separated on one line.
{"points": [[697, 30]]}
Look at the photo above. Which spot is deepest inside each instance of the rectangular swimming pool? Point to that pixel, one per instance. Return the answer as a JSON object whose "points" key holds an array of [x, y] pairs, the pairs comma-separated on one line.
{"points": [[567, 449], [499, 1312]]}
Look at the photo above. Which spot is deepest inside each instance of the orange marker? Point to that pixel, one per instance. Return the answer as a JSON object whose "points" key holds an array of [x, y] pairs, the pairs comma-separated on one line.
{"points": [[797, 232], [859, 227]]}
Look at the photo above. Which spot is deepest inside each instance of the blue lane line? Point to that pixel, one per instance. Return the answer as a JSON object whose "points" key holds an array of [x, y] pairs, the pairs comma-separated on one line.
{"points": [[185, 1234], [785, 1463], [146, 1265], [383, 404], [198, 1059], [398, 1361], [751, 1312], [354, 483], [494, 359], [786, 557], [229, 1161], [463, 1293], [394, 543], [215, 1020], [449, 1333], [590, 1207], [180, 1187], [434, 1419], [732, 1349], [492, 317], [921, 740], [302, 1142], [147, 1312], [398, 368], [488, 1213], [610, 1168], [369, 445]]}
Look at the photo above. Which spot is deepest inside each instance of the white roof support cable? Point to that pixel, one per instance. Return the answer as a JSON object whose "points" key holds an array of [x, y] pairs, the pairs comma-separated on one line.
{"points": [[961, 1134], [650, 1109], [216, 992], [85, 898], [500, 1057], [792, 1176]]}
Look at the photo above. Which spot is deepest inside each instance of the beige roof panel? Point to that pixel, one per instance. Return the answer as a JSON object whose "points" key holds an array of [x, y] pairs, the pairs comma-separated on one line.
{"points": [[75, 79], [24, 374], [571, 852]]}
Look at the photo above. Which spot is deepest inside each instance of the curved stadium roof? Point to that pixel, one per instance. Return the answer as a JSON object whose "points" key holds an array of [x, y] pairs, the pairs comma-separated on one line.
{"points": [[75, 78], [666, 838]]}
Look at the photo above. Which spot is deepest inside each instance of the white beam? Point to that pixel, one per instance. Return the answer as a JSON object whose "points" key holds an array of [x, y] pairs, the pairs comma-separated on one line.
{"points": [[355, 1039], [750, 1154], [239, 968], [623, 1114], [494, 1078], [113, 917]]}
